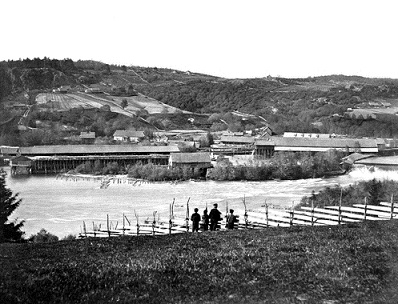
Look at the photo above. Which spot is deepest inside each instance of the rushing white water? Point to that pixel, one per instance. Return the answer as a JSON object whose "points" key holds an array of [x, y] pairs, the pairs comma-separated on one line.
{"points": [[60, 206]]}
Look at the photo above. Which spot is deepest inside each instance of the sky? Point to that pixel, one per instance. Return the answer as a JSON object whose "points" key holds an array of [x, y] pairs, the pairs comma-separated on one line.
{"points": [[225, 38]]}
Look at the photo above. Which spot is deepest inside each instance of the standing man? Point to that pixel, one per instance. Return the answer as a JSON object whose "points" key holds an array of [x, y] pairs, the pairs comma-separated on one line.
{"points": [[195, 218], [215, 217]]}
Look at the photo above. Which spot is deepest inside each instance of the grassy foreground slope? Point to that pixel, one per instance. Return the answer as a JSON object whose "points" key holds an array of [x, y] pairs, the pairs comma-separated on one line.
{"points": [[350, 264]]}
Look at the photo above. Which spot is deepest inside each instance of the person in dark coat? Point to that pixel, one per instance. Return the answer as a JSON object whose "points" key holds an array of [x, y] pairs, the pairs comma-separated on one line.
{"points": [[205, 220], [215, 217], [231, 219], [195, 218]]}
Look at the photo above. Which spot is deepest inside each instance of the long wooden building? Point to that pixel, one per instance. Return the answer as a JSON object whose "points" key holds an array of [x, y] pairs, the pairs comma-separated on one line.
{"points": [[58, 158], [266, 148]]}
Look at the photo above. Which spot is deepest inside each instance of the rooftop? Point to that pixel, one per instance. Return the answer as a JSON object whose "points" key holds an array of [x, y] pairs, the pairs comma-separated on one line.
{"points": [[320, 142], [95, 149], [8, 150], [237, 139]]}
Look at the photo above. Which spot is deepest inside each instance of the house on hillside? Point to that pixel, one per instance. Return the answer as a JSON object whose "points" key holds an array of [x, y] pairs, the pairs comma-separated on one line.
{"points": [[62, 89], [374, 104], [87, 137], [93, 90], [128, 135], [124, 91]]}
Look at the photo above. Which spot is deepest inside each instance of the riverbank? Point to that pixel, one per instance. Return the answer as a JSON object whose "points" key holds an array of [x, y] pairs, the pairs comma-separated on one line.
{"points": [[353, 263]]}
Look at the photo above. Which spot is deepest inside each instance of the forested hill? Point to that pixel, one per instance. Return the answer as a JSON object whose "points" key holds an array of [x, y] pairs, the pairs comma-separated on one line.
{"points": [[350, 105]]}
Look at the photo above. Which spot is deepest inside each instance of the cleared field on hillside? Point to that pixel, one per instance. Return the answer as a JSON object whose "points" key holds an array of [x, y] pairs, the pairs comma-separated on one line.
{"points": [[61, 102], [64, 102], [372, 112], [142, 102]]}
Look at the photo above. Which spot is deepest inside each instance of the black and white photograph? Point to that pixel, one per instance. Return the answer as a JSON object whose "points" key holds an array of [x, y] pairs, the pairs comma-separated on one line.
{"points": [[185, 151]]}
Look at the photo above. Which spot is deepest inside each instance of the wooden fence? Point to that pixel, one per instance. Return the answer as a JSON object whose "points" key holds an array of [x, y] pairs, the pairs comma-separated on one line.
{"points": [[271, 217]]}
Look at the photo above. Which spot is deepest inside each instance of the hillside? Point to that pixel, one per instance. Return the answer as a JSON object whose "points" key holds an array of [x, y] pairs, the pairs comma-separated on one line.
{"points": [[351, 105], [354, 263]]}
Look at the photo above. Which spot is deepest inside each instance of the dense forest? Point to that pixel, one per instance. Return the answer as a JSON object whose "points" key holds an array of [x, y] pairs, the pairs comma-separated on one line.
{"points": [[315, 104], [286, 109]]}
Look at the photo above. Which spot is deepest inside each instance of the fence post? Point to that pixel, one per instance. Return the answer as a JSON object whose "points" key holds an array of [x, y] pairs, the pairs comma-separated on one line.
{"points": [[312, 213], [123, 224], [245, 215], [341, 195], [107, 225], [292, 214], [291, 217], [138, 222], [187, 215], [94, 229], [392, 207], [366, 208], [154, 222], [226, 215], [170, 221], [85, 230], [266, 214]]}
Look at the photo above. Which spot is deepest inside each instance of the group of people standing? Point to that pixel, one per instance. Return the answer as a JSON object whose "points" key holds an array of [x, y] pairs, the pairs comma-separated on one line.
{"points": [[212, 219]]}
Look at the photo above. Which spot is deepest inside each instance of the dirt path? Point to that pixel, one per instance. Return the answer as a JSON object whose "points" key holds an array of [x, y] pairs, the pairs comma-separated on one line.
{"points": [[139, 76]]}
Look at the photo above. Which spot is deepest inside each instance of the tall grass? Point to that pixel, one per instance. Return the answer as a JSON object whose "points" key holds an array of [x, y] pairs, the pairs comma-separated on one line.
{"points": [[347, 264]]}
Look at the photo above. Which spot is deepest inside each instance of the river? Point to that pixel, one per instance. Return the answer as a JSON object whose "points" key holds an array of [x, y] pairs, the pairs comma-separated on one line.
{"points": [[61, 205]]}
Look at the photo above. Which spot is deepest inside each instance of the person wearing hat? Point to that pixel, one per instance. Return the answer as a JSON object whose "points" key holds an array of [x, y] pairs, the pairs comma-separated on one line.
{"points": [[215, 217], [231, 219]]}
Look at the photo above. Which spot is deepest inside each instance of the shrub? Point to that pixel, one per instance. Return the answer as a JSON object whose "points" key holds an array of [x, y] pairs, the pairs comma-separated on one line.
{"points": [[69, 237], [43, 237]]}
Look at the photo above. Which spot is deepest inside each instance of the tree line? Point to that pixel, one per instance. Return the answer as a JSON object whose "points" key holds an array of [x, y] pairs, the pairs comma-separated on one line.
{"points": [[284, 166], [375, 191]]}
